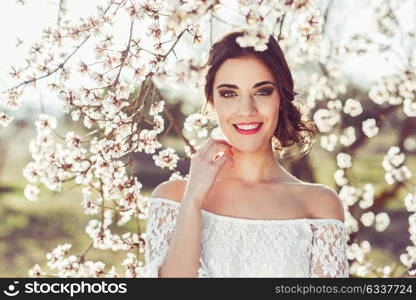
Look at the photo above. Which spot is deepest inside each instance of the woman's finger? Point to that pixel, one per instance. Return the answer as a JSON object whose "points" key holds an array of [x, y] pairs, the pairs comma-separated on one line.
{"points": [[224, 159], [217, 149], [212, 142]]}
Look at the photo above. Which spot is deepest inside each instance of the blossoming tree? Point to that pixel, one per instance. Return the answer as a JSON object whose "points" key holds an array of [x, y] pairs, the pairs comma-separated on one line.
{"points": [[110, 78]]}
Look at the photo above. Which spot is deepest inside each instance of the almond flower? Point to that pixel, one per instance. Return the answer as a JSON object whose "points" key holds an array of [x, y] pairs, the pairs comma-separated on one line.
{"points": [[370, 128], [166, 159], [5, 119], [31, 192]]}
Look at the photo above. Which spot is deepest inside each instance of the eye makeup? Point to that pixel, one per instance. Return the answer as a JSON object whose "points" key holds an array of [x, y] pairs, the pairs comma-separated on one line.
{"points": [[263, 92], [266, 91]]}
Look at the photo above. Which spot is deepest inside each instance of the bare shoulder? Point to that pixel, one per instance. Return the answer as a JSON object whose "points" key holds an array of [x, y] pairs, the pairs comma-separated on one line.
{"points": [[171, 189], [324, 202]]}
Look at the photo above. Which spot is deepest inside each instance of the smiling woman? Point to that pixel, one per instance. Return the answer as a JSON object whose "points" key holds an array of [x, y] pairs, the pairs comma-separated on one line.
{"points": [[241, 214], [291, 127]]}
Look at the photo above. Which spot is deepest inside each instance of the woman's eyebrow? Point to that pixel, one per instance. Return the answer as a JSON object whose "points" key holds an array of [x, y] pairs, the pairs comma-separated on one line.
{"points": [[232, 86]]}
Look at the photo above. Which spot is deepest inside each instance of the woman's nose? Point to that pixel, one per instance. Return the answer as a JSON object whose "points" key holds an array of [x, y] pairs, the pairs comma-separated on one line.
{"points": [[247, 107]]}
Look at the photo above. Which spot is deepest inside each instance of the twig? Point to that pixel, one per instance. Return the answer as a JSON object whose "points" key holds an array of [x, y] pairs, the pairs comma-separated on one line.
{"points": [[124, 54], [60, 66], [281, 27], [177, 129], [84, 253]]}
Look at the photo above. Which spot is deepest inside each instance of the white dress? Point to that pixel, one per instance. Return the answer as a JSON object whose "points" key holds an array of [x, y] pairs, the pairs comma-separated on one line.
{"points": [[239, 247]]}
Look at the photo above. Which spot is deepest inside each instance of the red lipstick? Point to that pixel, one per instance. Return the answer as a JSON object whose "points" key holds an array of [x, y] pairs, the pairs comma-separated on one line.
{"points": [[248, 131]]}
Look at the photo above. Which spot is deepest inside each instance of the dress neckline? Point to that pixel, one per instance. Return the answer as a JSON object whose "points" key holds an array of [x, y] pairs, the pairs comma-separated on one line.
{"points": [[240, 219]]}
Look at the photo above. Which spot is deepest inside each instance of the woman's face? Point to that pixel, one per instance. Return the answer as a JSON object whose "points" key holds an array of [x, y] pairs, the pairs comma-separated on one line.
{"points": [[245, 91]]}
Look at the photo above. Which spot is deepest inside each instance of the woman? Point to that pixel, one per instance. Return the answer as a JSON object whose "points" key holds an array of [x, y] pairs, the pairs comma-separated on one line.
{"points": [[241, 214]]}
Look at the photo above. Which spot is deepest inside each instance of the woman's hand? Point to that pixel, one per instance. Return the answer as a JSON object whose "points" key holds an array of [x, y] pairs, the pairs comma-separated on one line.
{"points": [[205, 165]]}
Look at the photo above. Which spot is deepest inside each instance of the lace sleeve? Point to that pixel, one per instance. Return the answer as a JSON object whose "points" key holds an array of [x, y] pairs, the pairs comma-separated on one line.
{"points": [[160, 224], [328, 255]]}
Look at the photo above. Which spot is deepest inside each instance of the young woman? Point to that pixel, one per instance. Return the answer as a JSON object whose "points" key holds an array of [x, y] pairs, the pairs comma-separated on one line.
{"points": [[241, 214]]}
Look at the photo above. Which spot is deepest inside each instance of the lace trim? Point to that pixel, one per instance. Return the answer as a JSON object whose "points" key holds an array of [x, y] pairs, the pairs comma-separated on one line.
{"points": [[202, 270]]}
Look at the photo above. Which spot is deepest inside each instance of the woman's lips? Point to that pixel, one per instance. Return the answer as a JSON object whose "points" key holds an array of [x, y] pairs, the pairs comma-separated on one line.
{"points": [[249, 131]]}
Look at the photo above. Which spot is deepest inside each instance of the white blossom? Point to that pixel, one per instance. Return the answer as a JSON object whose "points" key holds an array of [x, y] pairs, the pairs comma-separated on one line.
{"points": [[158, 124], [329, 142], [166, 159], [31, 192], [319, 89], [406, 259], [95, 268], [409, 107], [362, 271], [177, 175], [349, 194], [5, 119], [410, 202], [195, 123], [72, 140], [156, 107], [112, 273], [326, 119], [382, 221], [358, 251], [36, 271], [13, 103], [344, 160], [370, 128], [393, 164], [348, 136], [57, 255], [75, 115], [90, 207], [254, 36], [378, 94], [134, 268], [30, 172], [148, 142], [410, 143], [217, 133], [308, 26], [45, 123], [187, 148], [367, 196], [353, 107], [339, 177], [367, 218]]}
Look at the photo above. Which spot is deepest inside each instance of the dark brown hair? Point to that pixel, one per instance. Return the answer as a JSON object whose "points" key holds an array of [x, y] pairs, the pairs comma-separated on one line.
{"points": [[291, 129]]}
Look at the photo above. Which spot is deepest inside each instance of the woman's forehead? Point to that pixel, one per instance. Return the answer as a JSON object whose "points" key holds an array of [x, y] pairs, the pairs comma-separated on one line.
{"points": [[243, 71]]}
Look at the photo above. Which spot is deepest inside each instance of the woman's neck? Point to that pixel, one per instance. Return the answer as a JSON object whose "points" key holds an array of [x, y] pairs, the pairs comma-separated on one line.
{"points": [[255, 167]]}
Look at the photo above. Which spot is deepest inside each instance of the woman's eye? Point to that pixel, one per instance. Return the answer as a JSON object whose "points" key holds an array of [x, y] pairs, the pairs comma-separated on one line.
{"points": [[261, 92], [227, 94], [265, 92]]}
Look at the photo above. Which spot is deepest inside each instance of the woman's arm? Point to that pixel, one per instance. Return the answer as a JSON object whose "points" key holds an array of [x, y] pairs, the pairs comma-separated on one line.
{"points": [[182, 257], [329, 242], [329, 250]]}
